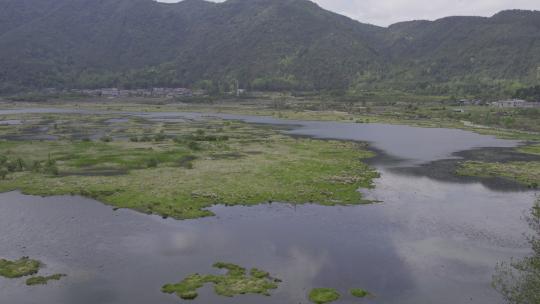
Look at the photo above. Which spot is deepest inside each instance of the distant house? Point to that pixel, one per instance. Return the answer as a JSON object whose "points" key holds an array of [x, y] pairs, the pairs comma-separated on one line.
{"points": [[149, 93], [515, 103], [110, 92], [171, 92], [468, 102], [240, 92]]}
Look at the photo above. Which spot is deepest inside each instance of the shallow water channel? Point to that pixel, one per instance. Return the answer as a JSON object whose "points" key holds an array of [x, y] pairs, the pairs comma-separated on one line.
{"points": [[429, 241]]}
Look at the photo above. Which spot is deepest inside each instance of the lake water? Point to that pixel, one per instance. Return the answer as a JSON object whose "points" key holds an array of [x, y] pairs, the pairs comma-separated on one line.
{"points": [[430, 241]]}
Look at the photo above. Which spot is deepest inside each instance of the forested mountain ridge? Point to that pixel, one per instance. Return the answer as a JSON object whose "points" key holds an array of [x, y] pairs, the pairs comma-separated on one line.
{"points": [[263, 44], [473, 49]]}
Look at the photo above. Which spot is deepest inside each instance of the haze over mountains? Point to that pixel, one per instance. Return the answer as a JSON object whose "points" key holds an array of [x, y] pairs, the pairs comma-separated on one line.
{"points": [[264, 44]]}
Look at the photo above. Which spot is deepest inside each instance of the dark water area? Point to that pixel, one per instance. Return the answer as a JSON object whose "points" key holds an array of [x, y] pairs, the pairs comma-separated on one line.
{"points": [[431, 240], [444, 169]]}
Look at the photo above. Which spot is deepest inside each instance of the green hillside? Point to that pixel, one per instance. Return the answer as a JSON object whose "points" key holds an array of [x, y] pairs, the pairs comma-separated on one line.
{"points": [[264, 44], [471, 52]]}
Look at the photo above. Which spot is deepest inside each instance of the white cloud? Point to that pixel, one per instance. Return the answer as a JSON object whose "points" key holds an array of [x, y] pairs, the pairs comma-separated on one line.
{"points": [[386, 12]]}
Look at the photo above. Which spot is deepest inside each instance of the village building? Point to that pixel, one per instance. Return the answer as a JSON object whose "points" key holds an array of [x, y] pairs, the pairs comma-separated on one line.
{"points": [[515, 103], [154, 92], [468, 102]]}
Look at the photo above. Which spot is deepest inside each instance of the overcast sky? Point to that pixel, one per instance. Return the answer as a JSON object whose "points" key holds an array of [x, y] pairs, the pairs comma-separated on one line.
{"points": [[386, 12]]}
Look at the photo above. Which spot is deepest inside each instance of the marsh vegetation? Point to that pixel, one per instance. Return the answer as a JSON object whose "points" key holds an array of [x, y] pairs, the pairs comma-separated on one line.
{"points": [[236, 281], [24, 267], [40, 280], [18, 268], [178, 169], [526, 173], [359, 292], [323, 295]]}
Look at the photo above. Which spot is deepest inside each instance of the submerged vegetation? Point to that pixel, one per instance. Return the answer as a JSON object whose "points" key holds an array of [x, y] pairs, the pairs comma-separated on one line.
{"points": [[519, 280], [39, 280], [179, 168], [323, 295], [18, 268], [234, 282]]}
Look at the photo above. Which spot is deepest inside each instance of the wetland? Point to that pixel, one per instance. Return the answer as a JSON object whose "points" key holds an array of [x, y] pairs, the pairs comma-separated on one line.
{"points": [[332, 205]]}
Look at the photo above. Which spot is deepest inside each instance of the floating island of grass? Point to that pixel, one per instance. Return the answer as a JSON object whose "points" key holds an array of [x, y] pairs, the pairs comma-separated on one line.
{"points": [[359, 292], [234, 282], [39, 280], [26, 267], [323, 295], [19, 268]]}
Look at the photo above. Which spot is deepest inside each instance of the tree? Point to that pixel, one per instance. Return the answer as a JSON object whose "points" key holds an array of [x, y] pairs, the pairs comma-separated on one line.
{"points": [[519, 280], [531, 93]]}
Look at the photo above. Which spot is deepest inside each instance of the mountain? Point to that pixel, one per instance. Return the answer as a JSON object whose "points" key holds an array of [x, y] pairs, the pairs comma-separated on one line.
{"points": [[503, 47], [16, 13], [262, 44]]}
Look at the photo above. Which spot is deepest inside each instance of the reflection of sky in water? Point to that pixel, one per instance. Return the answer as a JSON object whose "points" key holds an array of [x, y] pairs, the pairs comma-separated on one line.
{"points": [[429, 242], [417, 145], [452, 235]]}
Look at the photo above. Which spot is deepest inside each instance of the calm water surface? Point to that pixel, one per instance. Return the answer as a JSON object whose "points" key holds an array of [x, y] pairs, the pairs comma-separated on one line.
{"points": [[429, 242]]}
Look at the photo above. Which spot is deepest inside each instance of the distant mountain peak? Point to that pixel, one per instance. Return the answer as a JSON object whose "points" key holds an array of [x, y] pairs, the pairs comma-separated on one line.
{"points": [[516, 15], [407, 24], [517, 12]]}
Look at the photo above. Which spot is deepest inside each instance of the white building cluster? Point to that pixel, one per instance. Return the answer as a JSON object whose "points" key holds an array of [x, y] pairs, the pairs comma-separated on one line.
{"points": [[515, 103], [153, 92]]}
